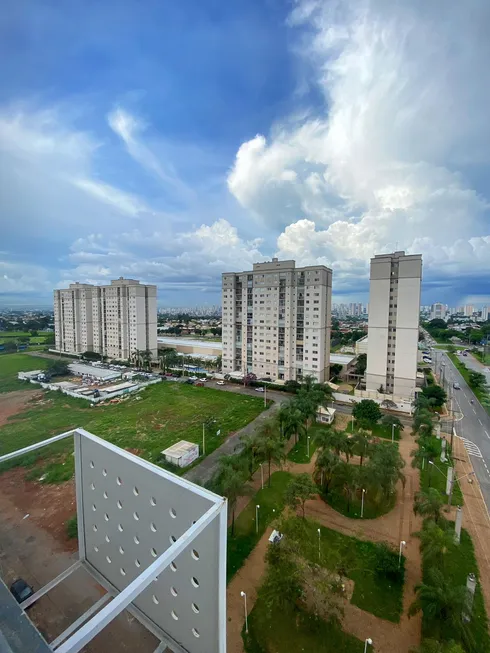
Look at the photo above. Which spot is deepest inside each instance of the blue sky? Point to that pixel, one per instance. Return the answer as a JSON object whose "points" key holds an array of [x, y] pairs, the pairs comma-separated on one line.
{"points": [[172, 141]]}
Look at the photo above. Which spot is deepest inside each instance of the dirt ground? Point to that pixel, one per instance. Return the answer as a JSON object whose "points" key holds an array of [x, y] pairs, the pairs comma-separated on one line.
{"points": [[12, 403]]}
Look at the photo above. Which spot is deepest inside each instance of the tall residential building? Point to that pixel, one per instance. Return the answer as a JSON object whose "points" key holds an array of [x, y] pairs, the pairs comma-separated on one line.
{"points": [[393, 326], [277, 321], [468, 310], [114, 320], [484, 313], [438, 311]]}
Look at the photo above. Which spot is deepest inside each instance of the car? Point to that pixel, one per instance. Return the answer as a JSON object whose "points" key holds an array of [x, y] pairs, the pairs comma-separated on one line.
{"points": [[194, 378], [189, 381], [259, 390], [220, 383], [21, 590], [456, 386], [465, 354]]}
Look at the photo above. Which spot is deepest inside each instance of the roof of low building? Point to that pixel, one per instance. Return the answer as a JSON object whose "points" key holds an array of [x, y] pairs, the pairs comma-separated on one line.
{"points": [[179, 449]]}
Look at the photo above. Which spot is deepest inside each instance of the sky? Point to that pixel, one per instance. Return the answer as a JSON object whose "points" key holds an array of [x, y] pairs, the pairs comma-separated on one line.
{"points": [[173, 141]]}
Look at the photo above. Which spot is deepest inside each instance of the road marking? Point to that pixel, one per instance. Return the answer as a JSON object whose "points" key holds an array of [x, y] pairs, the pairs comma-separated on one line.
{"points": [[488, 436], [472, 448], [474, 411], [481, 423]]}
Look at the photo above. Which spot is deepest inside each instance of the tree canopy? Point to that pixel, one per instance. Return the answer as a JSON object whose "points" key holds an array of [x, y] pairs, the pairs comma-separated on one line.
{"points": [[368, 411]]}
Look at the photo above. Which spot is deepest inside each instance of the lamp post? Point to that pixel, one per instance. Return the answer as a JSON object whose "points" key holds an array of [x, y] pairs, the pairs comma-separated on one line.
{"points": [[308, 447], [244, 596], [368, 642], [402, 544], [319, 542], [257, 518], [362, 502], [262, 475], [203, 439], [451, 485], [392, 433]]}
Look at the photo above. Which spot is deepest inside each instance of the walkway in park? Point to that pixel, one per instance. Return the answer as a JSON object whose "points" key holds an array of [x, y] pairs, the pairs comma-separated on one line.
{"points": [[394, 527]]}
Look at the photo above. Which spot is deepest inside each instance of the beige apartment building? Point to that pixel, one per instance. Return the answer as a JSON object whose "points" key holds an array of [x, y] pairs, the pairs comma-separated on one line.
{"points": [[114, 320], [393, 326], [277, 321]]}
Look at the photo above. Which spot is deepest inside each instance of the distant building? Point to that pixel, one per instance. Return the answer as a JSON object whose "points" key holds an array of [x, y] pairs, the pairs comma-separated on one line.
{"points": [[438, 311], [393, 327], [114, 320], [468, 310], [484, 313], [277, 321]]}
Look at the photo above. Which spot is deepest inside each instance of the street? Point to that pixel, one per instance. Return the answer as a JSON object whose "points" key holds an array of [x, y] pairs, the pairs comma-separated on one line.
{"points": [[474, 427]]}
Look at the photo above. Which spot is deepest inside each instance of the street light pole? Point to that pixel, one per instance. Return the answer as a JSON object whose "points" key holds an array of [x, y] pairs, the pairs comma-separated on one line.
{"points": [[262, 475], [362, 502], [402, 544], [368, 641], [451, 485], [319, 545], [308, 447], [244, 596], [392, 433], [257, 518], [203, 439]]}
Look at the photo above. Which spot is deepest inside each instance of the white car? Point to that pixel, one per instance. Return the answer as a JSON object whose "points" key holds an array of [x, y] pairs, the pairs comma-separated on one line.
{"points": [[259, 390], [220, 383], [193, 378]]}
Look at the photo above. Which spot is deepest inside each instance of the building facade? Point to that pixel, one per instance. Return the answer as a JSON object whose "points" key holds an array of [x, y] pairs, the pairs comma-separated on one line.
{"points": [[277, 321], [438, 311], [393, 326], [114, 320]]}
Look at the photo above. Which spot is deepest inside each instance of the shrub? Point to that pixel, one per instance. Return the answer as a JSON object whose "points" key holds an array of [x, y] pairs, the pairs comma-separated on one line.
{"points": [[71, 526], [387, 563]]}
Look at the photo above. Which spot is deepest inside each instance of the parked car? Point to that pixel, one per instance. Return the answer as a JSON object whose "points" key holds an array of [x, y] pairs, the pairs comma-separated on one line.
{"points": [[220, 383], [189, 382], [259, 390], [456, 386], [21, 590], [194, 378], [465, 354]]}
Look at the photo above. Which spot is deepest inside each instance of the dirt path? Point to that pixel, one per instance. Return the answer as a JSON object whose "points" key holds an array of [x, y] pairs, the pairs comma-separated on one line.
{"points": [[476, 519], [12, 403]]}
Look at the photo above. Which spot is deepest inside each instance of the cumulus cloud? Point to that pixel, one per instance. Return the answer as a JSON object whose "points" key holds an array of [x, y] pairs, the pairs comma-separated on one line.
{"points": [[387, 160]]}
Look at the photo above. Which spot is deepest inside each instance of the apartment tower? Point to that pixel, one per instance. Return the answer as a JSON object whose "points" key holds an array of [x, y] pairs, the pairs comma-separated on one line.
{"points": [[393, 326], [277, 321], [114, 320]]}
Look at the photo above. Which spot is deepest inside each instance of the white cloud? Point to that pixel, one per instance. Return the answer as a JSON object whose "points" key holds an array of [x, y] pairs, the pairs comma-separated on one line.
{"points": [[387, 161], [18, 278]]}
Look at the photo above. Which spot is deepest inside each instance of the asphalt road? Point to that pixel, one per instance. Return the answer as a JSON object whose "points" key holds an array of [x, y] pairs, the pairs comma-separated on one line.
{"points": [[474, 427]]}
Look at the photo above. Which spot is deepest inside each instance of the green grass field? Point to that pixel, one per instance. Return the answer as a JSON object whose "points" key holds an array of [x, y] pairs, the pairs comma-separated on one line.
{"points": [[373, 593], [270, 499], [281, 631], [10, 364], [372, 509], [148, 422], [436, 477], [299, 453]]}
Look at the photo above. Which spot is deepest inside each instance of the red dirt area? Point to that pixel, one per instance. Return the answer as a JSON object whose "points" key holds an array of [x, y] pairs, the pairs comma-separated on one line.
{"points": [[48, 506], [12, 403]]}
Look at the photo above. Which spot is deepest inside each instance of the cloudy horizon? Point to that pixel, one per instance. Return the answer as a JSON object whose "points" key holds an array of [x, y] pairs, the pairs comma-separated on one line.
{"points": [[178, 143]]}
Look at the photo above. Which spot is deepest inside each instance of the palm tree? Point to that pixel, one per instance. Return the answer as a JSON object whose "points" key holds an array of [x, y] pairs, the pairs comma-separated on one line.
{"points": [[326, 466], [435, 543], [232, 486], [270, 445], [428, 504], [361, 443], [348, 478], [307, 404], [291, 420], [147, 356], [250, 450], [384, 468], [441, 602], [137, 357], [336, 440]]}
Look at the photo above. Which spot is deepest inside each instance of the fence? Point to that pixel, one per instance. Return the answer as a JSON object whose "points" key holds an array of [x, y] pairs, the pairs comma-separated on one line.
{"points": [[93, 400]]}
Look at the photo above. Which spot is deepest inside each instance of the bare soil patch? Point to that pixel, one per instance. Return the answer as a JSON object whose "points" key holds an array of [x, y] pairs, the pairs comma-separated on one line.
{"points": [[12, 403], [47, 506]]}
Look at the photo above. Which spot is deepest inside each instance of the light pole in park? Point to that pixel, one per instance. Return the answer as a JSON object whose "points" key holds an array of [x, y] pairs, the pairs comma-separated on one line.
{"points": [[204, 439], [392, 433], [368, 642], [362, 502], [257, 518], [452, 482], [244, 597], [308, 447], [262, 475], [319, 542], [402, 544]]}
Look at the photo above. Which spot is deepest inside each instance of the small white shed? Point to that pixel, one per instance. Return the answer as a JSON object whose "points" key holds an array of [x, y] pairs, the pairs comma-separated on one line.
{"points": [[181, 453], [325, 415]]}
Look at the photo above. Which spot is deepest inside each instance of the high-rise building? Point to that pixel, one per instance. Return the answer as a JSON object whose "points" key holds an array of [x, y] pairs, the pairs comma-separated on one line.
{"points": [[438, 311], [355, 309], [114, 320], [393, 326], [484, 313], [277, 321], [468, 310]]}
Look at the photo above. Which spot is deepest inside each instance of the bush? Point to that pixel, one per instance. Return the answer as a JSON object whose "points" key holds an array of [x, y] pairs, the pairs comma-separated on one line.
{"points": [[386, 564], [71, 526], [367, 410]]}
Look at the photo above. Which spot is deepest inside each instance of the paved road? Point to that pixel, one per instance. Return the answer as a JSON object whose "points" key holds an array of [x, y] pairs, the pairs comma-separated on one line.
{"points": [[475, 425], [474, 364]]}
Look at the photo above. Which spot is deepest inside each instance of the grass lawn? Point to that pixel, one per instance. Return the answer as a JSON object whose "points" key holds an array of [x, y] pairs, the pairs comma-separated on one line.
{"points": [[372, 509], [384, 432], [283, 631], [299, 453], [146, 423], [372, 592], [246, 536], [10, 364], [437, 478], [459, 562]]}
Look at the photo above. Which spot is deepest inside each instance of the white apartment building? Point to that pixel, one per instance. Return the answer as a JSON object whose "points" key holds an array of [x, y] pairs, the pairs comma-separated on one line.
{"points": [[276, 321], [438, 311], [114, 320], [393, 326]]}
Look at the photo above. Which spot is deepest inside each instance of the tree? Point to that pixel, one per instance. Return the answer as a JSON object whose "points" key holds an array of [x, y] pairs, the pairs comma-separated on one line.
{"points": [[361, 443], [441, 602], [423, 418], [9, 346], [434, 646], [388, 403], [428, 503], [291, 420], [58, 368], [229, 481], [426, 451], [270, 447], [147, 358], [336, 369], [348, 478], [386, 563], [91, 356], [307, 405], [218, 362], [384, 468], [391, 421], [477, 380], [299, 491], [326, 466], [292, 385], [250, 450], [361, 364], [437, 324], [435, 543], [248, 378], [367, 410], [436, 393], [336, 440]]}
